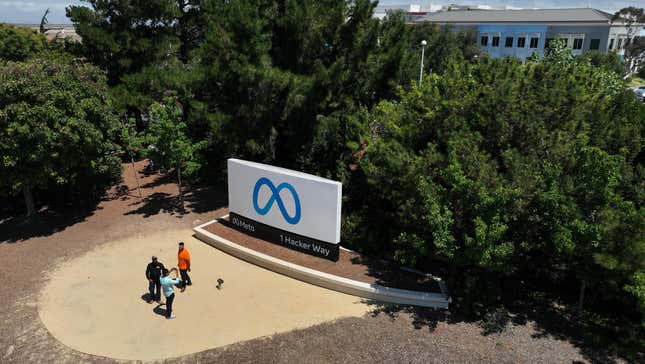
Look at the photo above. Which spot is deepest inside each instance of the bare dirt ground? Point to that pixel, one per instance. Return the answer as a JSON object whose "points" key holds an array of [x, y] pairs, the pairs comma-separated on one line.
{"points": [[350, 264], [30, 252]]}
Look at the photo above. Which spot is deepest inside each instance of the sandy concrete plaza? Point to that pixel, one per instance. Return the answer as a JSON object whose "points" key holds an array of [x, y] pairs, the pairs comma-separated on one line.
{"points": [[94, 303]]}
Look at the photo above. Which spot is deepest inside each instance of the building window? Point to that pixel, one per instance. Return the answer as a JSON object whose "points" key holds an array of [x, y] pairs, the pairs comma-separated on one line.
{"points": [[547, 43], [565, 42], [534, 42], [521, 41], [495, 41], [508, 42], [620, 43], [594, 45], [484, 40], [577, 43], [611, 44]]}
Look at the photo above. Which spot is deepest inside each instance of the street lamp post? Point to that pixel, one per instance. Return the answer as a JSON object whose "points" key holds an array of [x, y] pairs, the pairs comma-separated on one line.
{"points": [[423, 49]]}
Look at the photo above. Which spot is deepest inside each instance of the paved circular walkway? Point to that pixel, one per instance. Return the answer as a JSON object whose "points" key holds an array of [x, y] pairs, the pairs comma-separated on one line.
{"points": [[94, 303]]}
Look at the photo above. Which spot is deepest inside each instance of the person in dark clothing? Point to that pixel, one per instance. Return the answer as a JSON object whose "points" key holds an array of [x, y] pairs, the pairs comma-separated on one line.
{"points": [[153, 273]]}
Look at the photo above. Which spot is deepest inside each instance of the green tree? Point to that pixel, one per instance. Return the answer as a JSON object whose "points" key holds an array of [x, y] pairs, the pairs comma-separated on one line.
{"points": [[632, 18], [169, 143], [499, 171], [610, 61], [18, 43], [56, 128], [131, 142], [138, 91], [146, 48], [257, 77], [123, 37], [274, 71], [445, 46]]}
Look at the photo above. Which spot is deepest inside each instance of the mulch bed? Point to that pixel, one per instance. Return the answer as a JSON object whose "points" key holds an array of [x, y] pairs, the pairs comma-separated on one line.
{"points": [[350, 265]]}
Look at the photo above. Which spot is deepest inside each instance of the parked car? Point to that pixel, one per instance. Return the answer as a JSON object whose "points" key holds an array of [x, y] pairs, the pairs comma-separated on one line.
{"points": [[640, 92]]}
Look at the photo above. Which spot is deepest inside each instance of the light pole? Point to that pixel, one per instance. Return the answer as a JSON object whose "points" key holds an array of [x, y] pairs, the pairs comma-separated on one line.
{"points": [[423, 50]]}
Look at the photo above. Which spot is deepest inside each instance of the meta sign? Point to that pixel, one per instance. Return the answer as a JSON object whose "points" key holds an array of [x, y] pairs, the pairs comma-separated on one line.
{"points": [[293, 209]]}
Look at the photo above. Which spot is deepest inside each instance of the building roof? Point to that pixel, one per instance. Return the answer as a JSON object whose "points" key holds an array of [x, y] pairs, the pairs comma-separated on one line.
{"points": [[55, 31], [577, 15], [62, 34]]}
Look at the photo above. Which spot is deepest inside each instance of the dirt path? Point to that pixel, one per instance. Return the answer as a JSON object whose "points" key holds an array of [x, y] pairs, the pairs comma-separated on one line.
{"points": [[29, 256]]}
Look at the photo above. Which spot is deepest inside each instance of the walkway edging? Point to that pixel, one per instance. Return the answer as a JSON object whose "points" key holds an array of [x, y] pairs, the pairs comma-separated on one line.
{"points": [[345, 285]]}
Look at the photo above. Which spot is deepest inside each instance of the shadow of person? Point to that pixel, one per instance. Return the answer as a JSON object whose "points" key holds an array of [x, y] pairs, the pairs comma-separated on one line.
{"points": [[146, 297], [160, 311]]}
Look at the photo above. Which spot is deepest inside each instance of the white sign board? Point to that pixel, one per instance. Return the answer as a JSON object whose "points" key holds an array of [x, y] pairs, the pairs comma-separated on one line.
{"points": [[293, 201]]}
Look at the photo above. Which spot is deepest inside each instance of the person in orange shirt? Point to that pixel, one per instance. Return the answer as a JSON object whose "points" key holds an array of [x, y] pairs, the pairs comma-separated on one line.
{"points": [[183, 258]]}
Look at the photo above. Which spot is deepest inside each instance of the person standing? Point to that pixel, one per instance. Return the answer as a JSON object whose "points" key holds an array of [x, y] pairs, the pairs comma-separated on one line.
{"points": [[166, 284], [153, 274], [183, 258]]}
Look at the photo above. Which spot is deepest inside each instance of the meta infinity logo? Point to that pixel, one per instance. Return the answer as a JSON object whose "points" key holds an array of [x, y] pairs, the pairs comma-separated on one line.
{"points": [[275, 197]]}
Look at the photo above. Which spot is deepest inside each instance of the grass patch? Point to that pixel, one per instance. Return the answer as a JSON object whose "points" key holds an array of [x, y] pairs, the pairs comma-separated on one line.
{"points": [[635, 81]]}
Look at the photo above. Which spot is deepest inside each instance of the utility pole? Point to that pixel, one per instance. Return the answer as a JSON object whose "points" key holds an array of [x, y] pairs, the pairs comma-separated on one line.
{"points": [[423, 49]]}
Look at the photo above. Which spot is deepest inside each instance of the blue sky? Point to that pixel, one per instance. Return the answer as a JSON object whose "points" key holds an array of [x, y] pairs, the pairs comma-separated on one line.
{"points": [[30, 11]]}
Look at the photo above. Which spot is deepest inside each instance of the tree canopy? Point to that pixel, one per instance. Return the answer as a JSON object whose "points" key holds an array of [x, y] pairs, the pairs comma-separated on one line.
{"points": [[168, 143], [123, 37], [633, 18], [275, 73], [509, 171], [57, 127], [19, 43]]}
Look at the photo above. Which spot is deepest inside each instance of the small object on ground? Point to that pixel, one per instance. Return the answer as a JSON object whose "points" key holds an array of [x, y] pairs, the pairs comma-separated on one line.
{"points": [[9, 351], [220, 281]]}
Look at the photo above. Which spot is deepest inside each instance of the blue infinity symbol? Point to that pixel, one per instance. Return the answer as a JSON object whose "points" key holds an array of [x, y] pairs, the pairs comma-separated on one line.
{"points": [[275, 197]]}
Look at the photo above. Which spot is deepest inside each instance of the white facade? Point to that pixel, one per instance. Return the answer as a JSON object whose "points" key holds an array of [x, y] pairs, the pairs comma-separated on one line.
{"points": [[620, 35]]}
